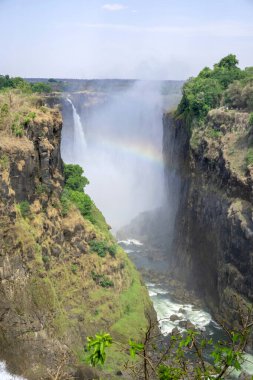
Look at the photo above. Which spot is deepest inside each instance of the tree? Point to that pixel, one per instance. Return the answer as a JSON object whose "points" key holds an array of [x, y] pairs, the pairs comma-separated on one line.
{"points": [[41, 87], [229, 62], [74, 178], [206, 91]]}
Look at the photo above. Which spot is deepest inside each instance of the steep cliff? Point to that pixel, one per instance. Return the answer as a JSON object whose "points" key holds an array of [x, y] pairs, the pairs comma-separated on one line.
{"points": [[213, 239], [55, 288]]}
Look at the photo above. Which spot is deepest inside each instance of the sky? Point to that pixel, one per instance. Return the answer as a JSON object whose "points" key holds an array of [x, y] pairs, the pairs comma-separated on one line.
{"points": [[145, 39]]}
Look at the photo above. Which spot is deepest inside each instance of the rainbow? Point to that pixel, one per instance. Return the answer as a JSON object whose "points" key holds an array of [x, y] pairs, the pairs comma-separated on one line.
{"points": [[141, 149]]}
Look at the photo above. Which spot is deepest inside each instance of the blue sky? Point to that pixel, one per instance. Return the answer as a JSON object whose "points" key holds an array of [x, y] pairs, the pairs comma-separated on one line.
{"points": [[148, 39]]}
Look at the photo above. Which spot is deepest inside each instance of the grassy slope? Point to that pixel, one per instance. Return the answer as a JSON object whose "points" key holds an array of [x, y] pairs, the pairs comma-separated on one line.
{"points": [[60, 290]]}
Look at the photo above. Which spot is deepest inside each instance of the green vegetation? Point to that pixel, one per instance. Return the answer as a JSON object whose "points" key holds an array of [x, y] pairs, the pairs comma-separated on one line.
{"points": [[74, 179], [249, 157], [41, 87], [181, 356], [102, 280], [74, 268], [6, 82], [98, 345], [4, 162], [45, 259], [101, 247], [17, 129], [73, 192], [213, 133], [222, 85], [41, 188], [24, 208], [82, 201], [251, 119], [28, 118]]}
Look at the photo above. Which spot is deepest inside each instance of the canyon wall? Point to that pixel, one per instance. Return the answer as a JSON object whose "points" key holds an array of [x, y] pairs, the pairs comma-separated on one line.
{"points": [[213, 241]]}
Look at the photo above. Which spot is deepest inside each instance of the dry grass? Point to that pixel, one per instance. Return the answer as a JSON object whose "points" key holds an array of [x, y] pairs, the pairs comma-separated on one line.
{"points": [[18, 111]]}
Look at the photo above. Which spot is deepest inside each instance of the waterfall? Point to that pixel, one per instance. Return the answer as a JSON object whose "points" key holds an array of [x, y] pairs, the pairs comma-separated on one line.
{"points": [[79, 141], [124, 155]]}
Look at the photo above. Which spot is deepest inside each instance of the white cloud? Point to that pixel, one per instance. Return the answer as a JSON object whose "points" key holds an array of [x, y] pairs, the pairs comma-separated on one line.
{"points": [[114, 7]]}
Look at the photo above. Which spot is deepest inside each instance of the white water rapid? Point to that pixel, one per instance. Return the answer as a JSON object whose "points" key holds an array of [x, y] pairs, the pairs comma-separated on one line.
{"points": [[166, 306]]}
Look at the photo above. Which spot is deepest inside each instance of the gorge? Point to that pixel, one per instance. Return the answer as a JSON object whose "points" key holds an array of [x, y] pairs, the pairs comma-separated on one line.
{"points": [[175, 188]]}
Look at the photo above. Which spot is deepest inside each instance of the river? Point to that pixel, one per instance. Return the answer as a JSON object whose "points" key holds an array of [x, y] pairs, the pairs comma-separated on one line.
{"points": [[173, 313]]}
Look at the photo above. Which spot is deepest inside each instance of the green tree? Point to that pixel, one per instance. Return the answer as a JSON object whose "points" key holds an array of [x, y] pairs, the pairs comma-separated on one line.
{"points": [[206, 91], [41, 87], [229, 62], [74, 178]]}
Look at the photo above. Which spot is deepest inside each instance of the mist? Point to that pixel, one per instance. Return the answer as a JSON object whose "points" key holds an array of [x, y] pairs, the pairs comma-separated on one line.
{"points": [[122, 152]]}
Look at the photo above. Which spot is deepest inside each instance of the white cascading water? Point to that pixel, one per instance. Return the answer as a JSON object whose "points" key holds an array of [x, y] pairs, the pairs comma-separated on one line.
{"points": [[123, 155], [79, 142], [5, 375]]}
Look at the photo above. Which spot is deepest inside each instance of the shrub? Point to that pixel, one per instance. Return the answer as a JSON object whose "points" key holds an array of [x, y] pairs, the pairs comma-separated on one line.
{"points": [[45, 259], [41, 188], [112, 249], [4, 110], [24, 208], [65, 202], [73, 191], [4, 162], [249, 157], [74, 268], [41, 87], [251, 119], [102, 247], [106, 283], [82, 201], [102, 280], [213, 133], [17, 129], [28, 118]]}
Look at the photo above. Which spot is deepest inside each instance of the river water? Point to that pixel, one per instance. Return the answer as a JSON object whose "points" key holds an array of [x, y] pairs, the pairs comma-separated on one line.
{"points": [[167, 305]]}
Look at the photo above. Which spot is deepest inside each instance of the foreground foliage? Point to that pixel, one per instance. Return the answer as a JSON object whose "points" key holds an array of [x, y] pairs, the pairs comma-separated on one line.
{"points": [[189, 355]]}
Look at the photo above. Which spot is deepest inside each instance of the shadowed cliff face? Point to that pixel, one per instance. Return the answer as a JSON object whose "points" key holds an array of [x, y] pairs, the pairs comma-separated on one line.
{"points": [[214, 230]]}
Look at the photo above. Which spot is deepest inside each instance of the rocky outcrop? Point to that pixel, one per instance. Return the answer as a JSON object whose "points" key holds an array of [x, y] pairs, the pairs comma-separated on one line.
{"points": [[213, 241], [50, 301]]}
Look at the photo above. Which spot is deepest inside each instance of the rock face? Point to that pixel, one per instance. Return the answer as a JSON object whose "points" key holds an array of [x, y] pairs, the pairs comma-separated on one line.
{"points": [[49, 300], [213, 241]]}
